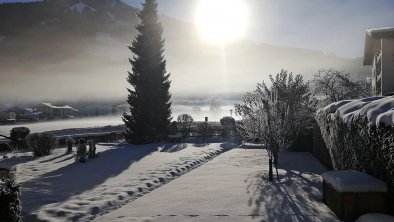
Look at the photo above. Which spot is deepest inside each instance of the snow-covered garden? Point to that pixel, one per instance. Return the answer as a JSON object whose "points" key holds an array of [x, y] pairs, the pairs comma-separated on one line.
{"points": [[56, 188]]}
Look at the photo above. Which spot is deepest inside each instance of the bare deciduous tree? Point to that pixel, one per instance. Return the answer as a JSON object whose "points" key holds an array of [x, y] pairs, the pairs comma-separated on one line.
{"points": [[336, 85], [275, 115], [184, 124]]}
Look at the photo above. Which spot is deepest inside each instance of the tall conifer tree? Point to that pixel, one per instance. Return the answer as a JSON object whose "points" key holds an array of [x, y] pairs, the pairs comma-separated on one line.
{"points": [[149, 99]]}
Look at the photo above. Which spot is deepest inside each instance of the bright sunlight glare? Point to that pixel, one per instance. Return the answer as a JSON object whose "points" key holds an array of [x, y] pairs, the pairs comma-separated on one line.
{"points": [[221, 21]]}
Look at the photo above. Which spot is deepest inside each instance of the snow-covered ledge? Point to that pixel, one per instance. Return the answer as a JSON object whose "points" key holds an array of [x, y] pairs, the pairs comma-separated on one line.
{"points": [[353, 181], [375, 217], [350, 194]]}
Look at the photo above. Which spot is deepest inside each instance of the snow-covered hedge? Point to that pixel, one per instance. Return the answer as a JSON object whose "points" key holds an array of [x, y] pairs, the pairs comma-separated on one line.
{"points": [[359, 134]]}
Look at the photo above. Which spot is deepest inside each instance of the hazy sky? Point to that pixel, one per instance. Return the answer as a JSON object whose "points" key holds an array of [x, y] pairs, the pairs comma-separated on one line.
{"points": [[334, 26]]}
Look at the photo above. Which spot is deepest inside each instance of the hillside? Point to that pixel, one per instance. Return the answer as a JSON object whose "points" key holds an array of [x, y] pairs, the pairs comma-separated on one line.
{"points": [[77, 49]]}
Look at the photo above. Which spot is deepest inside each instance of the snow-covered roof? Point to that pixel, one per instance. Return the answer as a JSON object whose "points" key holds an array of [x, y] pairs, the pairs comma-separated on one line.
{"points": [[353, 181], [371, 37], [58, 107], [377, 110]]}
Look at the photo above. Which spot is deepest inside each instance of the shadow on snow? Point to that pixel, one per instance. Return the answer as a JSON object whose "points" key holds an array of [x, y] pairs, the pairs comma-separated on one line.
{"points": [[73, 179]]}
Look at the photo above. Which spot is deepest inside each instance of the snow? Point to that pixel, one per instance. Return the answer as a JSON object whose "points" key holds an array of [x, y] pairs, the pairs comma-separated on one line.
{"points": [[377, 110], [80, 7], [374, 217], [56, 188], [354, 181], [347, 111], [380, 30], [234, 187]]}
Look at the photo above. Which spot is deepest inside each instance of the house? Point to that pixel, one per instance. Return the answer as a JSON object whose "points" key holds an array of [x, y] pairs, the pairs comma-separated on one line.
{"points": [[379, 53], [56, 112], [31, 114], [10, 114]]}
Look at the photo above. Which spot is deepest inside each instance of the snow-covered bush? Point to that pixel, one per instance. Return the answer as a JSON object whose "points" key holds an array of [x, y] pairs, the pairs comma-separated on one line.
{"points": [[10, 205], [359, 134], [41, 143]]}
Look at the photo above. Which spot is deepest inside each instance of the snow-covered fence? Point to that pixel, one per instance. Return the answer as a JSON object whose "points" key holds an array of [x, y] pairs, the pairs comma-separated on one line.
{"points": [[359, 134]]}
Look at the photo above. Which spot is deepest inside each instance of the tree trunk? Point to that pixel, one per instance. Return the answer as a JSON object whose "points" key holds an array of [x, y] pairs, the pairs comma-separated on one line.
{"points": [[270, 173], [276, 164]]}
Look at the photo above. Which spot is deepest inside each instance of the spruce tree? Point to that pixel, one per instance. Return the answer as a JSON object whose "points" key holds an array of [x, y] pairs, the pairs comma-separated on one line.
{"points": [[149, 98]]}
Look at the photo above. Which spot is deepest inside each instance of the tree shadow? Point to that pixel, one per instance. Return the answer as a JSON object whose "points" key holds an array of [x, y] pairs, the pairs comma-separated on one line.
{"points": [[296, 197], [76, 178], [54, 158]]}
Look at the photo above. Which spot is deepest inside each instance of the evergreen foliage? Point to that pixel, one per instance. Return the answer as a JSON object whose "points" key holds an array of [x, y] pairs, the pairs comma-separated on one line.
{"points": [[10, 205], [149, 98]]}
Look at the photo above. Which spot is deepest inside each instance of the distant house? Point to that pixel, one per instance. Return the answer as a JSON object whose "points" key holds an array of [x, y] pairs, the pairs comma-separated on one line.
{"points": [[31, 114], [379, 53], [56, 112], [11, 114]]}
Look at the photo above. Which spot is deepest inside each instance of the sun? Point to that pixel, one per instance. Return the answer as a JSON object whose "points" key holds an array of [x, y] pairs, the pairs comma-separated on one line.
{"points": [[221, 21]]}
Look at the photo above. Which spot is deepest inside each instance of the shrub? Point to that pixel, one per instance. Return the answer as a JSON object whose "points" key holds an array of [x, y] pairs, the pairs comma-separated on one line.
{"points": [[204, 130], [42, 143], [19, 135], [5, 147], [228, 124], [10, 205]]}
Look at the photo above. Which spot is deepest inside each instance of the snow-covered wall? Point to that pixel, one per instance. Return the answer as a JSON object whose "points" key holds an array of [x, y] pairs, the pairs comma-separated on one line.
{"points": [[359, 134]]}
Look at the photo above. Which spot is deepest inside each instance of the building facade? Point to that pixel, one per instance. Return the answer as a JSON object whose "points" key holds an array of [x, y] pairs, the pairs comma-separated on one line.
{"points": [[379, 53]]}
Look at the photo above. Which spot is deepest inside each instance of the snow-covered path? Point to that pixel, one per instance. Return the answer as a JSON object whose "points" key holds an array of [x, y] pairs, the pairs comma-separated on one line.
{"points": [[233, 187]]}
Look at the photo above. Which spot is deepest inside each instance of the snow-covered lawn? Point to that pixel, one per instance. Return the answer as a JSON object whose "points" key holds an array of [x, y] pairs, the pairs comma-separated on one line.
{"points": [[234, 187], [56, 188]]}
